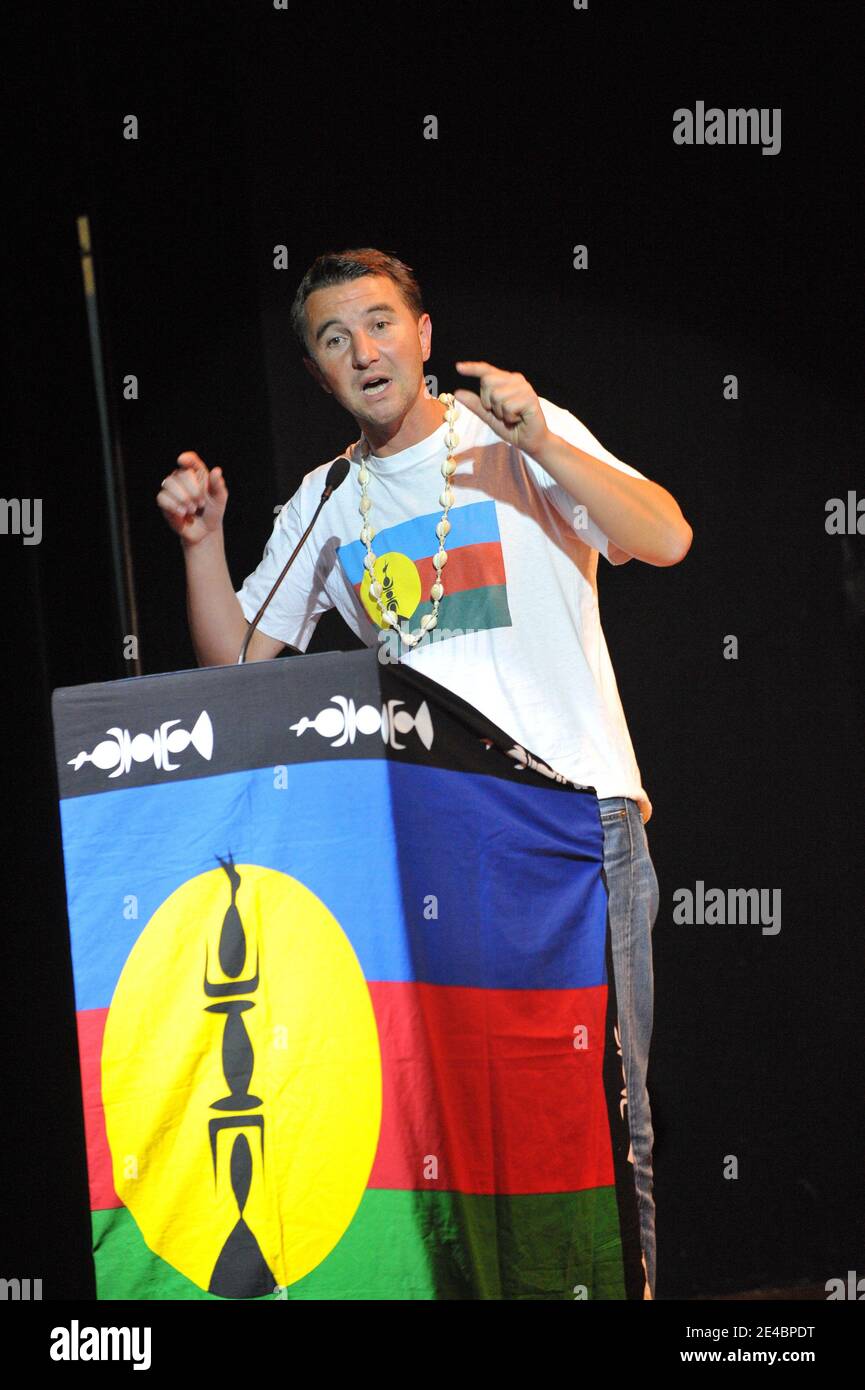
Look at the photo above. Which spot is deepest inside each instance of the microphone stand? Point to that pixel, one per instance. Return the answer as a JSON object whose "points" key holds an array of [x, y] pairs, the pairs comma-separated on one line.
{"points": [[333, 482]]}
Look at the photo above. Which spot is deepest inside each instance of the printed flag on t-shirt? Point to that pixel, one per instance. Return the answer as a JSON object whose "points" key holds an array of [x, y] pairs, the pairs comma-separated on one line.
{"points": [[474, 578]]}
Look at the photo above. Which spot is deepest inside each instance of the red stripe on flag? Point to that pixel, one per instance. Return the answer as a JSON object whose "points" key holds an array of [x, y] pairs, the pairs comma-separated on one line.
{"points": [[91, 1026], [468, 567], [483, 1091], [485, 1087]]}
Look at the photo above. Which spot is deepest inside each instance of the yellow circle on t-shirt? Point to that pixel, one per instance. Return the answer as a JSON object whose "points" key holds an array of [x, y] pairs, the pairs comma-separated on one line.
{"points": [[400, 584], [242, 1104]]}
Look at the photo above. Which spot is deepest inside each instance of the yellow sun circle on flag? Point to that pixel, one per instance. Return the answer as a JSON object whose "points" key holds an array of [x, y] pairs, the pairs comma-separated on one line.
{"points": [[242, 1109], [400, 583]]}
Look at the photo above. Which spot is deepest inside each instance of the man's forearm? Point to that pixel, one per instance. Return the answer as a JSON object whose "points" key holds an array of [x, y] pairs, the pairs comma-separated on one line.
{"points": [[216, 621], [638, 515]]}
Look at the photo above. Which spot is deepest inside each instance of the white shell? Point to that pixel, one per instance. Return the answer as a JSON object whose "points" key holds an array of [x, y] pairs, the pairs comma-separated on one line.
{"points": [[390, 618], [375, 589], [448, 467], [442, 528], [440, 560], [436, 592], [428, 621], [365, 504]]}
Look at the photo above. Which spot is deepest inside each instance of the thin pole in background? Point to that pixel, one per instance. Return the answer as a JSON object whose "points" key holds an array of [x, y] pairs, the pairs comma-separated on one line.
{"points": [[112, 461]]}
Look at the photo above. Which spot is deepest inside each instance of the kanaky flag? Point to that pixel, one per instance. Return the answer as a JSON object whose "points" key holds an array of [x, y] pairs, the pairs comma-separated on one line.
{"points": [[476, 598], [344, 994]]}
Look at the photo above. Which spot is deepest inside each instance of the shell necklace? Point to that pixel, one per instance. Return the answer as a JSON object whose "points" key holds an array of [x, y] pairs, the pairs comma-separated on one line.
{"points": [[436, 593]]}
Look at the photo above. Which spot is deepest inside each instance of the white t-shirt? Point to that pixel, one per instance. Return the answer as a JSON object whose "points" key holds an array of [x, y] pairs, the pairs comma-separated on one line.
{"points": [[519, 632]]}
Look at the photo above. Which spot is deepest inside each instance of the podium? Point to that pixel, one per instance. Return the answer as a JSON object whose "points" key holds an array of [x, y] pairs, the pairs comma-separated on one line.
{"points": [[344, 993]]}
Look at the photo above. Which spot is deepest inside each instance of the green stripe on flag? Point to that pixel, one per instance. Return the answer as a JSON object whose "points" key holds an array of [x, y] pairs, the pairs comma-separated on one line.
{"points": [[469, 610], [418, 1245]]}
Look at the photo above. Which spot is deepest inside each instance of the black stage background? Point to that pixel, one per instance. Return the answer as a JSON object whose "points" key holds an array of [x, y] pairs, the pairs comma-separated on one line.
{"points": [[260, 127]]}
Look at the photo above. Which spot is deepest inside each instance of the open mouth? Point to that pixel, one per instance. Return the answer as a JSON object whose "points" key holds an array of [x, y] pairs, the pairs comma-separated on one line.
{"points": [[377, 386]]}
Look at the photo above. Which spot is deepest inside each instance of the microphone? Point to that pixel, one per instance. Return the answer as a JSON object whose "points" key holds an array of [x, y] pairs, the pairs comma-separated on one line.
{"points": [[336, 474]]}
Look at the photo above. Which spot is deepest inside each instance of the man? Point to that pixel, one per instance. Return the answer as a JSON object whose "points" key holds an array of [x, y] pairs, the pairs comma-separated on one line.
{"points": [[493, 561]]}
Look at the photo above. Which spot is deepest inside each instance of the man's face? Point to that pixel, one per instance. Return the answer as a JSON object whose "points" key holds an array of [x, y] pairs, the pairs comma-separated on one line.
{"points": [[361, 333]]}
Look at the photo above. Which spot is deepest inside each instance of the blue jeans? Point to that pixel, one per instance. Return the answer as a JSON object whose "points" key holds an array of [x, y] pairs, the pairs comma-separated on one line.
{"points": [[633, 904]]}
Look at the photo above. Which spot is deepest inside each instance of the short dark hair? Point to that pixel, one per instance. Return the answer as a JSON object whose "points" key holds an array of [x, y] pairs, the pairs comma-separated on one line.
{"points": [[337, 267]]}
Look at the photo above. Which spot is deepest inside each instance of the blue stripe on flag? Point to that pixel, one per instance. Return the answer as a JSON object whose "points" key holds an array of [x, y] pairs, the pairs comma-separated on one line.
{"points": [[399, 853], [471, 524]]}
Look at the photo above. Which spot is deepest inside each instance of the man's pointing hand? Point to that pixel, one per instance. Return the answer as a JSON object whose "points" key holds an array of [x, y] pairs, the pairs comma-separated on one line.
{"points": [[193, 498], [507, 403]]}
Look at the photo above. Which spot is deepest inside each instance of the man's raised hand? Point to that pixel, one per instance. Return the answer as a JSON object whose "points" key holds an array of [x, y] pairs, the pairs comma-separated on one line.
{"points": [[507, 403], [193, 498]]}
